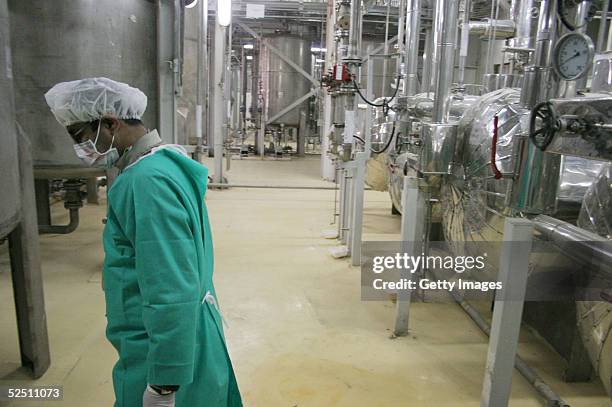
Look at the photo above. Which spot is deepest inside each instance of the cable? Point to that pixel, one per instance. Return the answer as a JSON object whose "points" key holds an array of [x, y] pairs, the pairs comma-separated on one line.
{"points": [[563, 18], [387, 144], [385, 103]]}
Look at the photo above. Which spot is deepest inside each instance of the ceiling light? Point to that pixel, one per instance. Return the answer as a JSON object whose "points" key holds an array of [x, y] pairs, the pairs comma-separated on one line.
{"points": [[224, 12]]}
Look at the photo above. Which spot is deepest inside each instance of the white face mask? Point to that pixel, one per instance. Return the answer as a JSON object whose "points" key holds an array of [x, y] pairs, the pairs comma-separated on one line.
{"points": [[89, 154]]}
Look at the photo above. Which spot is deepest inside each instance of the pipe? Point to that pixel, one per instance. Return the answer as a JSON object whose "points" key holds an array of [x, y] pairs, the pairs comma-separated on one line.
{"points": [[601, 33], [521, 12], [547, 29], [445, 28], [354, 44], [465, 40], [386, 51], [413, 30], [583, 245], [401, 25], [201, 84], [62, 229], [219, 105], [498, 29], [427, 62], [216, 185], [552, 398], [72, 202]]}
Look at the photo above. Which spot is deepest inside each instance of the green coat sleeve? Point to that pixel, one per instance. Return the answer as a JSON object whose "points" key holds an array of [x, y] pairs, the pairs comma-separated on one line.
{"points": [[168, 277]]}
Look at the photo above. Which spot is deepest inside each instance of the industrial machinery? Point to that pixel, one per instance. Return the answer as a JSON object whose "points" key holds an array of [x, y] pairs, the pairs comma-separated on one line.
{"points": [[18, 226], [528, 139], [62, 43]]}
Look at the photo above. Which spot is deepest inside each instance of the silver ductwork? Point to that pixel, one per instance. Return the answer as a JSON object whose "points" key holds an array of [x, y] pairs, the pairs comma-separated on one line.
{"points": [[413, 30], [445, 30]]}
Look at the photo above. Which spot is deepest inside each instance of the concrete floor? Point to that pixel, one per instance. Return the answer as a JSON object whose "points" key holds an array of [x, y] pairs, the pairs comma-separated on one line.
{"points": [[299, 334]]}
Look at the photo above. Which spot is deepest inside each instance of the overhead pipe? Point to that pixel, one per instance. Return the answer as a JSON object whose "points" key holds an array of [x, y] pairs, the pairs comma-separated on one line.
{"points": [[445, 29]]}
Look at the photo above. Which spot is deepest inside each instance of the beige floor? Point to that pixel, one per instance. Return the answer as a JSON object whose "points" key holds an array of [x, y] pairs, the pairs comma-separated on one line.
{"points": [[299, 334]]}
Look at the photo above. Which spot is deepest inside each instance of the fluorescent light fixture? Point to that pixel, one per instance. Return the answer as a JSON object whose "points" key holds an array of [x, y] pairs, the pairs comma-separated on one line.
{"points": [[224, 12], [191, 4], [249, 57], [319, 61], [247, 46], [316, 49]]}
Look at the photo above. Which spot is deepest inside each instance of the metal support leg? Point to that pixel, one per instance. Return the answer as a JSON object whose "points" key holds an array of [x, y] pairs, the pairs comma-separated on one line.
{"points": [[358, 193], [27, 276], [92, 191], [506, 324], [414, 210], [260, 138], [43, 210], [348, 198]]}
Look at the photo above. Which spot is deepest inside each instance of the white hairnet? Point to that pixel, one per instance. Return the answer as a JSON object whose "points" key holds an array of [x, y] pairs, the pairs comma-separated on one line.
{"points": [[91, 99]]}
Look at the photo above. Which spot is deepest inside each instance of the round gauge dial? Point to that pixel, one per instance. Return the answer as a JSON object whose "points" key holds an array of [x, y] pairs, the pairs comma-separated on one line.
{"points": [[573, 56]]}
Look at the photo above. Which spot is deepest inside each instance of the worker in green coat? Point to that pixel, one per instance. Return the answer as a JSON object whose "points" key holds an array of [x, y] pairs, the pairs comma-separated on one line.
{"points": [[161, 305]]}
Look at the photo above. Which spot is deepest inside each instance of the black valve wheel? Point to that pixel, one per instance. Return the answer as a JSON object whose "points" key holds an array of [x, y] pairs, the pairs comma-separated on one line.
{"points": [[549, 125]]}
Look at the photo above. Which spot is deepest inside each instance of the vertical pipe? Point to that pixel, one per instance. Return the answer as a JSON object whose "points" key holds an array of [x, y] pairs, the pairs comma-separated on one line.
{"points": [[401, 26], [413, 31], [201, 83], [601, 33], [427, 62], [243, 79], [465, 40], [327, 167], [521, 10], [445, 28], [354, 44], [538, 172], [386, 52], [219, 105]]}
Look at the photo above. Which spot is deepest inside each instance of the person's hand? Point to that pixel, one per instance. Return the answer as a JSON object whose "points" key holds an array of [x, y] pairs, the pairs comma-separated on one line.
{"points": [[150, 398]]}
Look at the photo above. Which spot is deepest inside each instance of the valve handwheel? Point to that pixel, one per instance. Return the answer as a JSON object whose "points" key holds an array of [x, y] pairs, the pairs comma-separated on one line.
{"points": [[548, 126]]}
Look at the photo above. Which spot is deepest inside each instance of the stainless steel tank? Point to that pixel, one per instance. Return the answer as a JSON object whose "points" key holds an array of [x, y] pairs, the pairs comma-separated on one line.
{"points": [[282, 84], [61, 41], [9, 168]]}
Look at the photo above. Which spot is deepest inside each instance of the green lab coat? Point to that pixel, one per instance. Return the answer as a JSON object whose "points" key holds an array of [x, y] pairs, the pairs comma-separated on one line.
{"points": [[157, 270]]}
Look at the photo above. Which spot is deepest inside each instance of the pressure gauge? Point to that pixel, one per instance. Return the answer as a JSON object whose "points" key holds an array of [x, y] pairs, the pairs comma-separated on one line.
{"points": [[573, 55]]}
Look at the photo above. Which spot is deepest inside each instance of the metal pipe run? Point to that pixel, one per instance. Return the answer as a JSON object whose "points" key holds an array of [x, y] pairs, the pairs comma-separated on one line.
{"points": [[552, 398], [224, 186], [413, 30], [445, 29], [581, 244], [62, 229]]}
